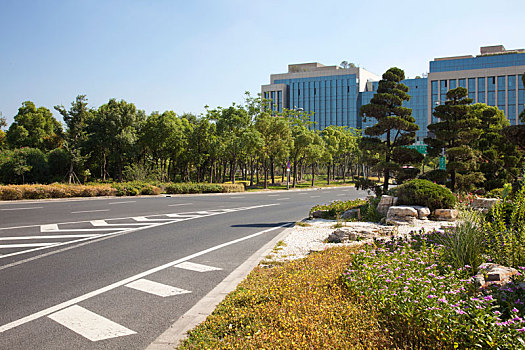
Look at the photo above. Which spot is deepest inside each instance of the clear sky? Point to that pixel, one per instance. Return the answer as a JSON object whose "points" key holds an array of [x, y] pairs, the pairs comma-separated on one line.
{"points": [[182, 55]]}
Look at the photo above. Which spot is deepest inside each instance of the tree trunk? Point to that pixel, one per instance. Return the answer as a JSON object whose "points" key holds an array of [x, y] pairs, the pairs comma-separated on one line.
{"points": [[251, 172], [313, 174], [272, 163], [329, 168], [294, 172], [265, 174]]}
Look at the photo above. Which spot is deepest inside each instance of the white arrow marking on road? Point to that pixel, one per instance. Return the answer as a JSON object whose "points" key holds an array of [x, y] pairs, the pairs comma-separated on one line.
{"points": [[197, 267], [182, 216], [88, 324], [98, 223], [162, 290], [49, 228]]}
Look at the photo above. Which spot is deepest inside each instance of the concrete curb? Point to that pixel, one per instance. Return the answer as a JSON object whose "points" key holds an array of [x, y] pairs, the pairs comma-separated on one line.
{"points": [[204, 307]]}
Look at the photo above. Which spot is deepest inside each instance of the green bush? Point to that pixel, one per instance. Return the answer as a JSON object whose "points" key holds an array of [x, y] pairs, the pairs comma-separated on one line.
{"points": [[438, 176], [425, 193], [336, 208], [185, 188], [504, 230]]}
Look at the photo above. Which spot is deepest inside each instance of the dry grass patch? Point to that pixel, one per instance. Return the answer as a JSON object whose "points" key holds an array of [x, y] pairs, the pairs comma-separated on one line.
{"points": [[302, 304]]}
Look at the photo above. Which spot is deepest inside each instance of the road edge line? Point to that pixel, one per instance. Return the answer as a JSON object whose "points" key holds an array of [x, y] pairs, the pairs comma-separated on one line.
{"points": [[177, 332]]}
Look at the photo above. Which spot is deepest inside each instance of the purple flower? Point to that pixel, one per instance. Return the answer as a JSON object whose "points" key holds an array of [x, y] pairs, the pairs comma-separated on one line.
{"points": [[431, 296], [443, 300], [515, 310]]}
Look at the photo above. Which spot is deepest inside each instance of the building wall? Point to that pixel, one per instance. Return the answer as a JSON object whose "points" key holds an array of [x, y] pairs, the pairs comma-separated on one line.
{"points": [[493, 79]]}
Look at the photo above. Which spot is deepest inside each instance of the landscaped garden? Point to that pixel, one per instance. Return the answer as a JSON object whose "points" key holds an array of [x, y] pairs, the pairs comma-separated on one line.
{"points": [[420, 290]]}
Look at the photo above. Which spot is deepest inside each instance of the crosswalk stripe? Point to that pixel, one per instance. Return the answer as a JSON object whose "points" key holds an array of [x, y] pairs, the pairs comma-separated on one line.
{"points": [[88, 324], [145, 219], [197, 267], [162, 290], [98, 223]]}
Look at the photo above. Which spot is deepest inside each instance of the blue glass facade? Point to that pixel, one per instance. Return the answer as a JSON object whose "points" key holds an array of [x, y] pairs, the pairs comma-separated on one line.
{"points": [[481, 62], [334, 97], [331, 99], [417, 89]]}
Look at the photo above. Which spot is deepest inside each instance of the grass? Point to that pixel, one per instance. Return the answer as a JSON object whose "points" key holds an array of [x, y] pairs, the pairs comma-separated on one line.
{"points": [[302, 304]]}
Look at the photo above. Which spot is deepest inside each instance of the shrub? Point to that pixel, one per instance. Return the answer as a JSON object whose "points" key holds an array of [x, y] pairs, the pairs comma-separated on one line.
{"points": [[183, 188], [464, 243], [438, 176], [14, 192], [425, 193], [504, 230], [337, 208], [11, 192]]}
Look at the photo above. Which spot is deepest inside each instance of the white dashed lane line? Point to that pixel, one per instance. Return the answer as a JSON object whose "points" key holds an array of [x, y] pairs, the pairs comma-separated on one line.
{"points": [[28, 208], [315, 196], [126, 202], [88, 211]]}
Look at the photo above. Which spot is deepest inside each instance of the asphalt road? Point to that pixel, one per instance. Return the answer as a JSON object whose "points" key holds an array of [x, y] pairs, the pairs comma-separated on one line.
{"points": [[114, 273]]}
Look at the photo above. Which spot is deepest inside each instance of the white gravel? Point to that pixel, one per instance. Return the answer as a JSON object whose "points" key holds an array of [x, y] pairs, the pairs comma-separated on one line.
{"points": [[302, 240]]}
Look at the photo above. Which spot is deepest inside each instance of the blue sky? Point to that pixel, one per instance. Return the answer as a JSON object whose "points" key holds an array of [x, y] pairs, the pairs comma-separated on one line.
{"points": [[183, 55]]}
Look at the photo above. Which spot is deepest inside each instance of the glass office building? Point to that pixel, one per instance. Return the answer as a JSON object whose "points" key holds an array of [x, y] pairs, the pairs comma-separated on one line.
{"points": [[334, 95]]}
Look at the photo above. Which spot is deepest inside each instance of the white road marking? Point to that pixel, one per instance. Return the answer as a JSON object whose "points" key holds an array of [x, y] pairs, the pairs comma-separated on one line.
{"points": [[98, 223], [22, 208], [54, 228], [44, 237], [88, 324], [25, 245], [182, 216], [239, 197], [49, 228], [123, 282], [341, 195], [197, 267], [315, 196], [273, 195], [88, 211], [176, 205], [126, 202], [145, 219], [282, 199], [162, 290], [346, 190]]}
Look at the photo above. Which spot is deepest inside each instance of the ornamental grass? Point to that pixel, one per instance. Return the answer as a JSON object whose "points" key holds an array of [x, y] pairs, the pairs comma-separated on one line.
{"points": [[302, 304]]}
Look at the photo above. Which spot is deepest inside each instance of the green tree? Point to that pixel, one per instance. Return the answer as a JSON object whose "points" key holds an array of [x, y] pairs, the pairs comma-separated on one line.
{"points": [[275, 136], [3, 124], [456, 132], [395, 125], [113, 133], [500, 162], [34, 127], [75, 135], [314, 152], [516, 133]]}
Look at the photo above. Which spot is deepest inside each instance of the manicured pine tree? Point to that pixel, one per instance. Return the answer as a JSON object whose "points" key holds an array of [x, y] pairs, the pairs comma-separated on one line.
{"points": [[457, 132], [395, 127]]}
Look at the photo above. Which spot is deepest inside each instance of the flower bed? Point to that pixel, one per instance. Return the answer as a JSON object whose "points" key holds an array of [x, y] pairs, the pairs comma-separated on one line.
{"points": [[425, 304]]}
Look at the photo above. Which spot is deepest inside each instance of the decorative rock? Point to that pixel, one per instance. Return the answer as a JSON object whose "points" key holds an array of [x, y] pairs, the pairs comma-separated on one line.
{"points": [[352, 214], [483, 204], [422, 212], [489, 273], [339, 236], [445, 214], [385, 203], [319, 214], [401, 215]]}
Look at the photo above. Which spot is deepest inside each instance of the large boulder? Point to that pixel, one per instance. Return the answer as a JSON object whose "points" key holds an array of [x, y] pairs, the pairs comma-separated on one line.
{"points": [[489, 273], [401, 215], [352, 214], [422, 212], [339, 236], [483, 204], [445, 214], [319, 214], [385, 203]]}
